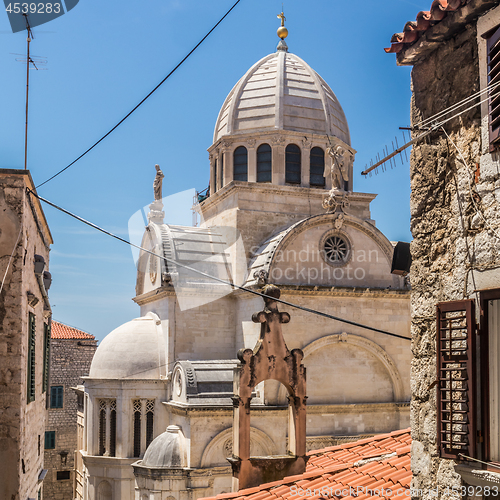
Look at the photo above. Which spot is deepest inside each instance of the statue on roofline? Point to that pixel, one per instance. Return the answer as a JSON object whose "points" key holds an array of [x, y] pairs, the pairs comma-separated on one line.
{"points": [[157, 184], [341, 161]]}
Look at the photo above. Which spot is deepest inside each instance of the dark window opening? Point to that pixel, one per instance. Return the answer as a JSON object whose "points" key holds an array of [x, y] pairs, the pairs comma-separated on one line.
{"points": [[317, 169], [149, 428], [264, 163], [215, 175], [112, 433], [50, 440], [292, 164], [63, 474], [222, 170], [56, 396], [240, 164], [102, 431], [137, 433]]}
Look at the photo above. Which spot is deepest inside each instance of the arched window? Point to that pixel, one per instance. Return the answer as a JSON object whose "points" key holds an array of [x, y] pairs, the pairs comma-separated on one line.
{"points": [[316, 177], [104, 491], [264, 163], [240, 164], [292, 164], [215, 175]]}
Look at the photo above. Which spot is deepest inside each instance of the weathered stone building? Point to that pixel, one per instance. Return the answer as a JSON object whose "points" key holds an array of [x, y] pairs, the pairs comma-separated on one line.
{"points": [[25, 313], [455, 220], [71, 353], [282, 210]]}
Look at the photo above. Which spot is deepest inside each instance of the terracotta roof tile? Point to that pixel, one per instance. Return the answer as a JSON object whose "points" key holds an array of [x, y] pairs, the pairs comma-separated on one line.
{"points": [[62, 331], [334, 468], [424, 20]]}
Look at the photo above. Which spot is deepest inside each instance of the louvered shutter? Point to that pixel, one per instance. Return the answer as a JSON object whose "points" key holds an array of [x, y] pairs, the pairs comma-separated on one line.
{"points": [[456, 370], [493, 48]]}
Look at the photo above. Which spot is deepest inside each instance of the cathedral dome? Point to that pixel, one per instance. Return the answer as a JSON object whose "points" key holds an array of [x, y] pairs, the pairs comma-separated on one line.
{"points": [[282, 92], [134, 350], [165, 450]]}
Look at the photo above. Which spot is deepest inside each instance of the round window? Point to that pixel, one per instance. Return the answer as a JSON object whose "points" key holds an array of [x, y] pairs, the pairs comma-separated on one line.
{"points": [[336, 249]]}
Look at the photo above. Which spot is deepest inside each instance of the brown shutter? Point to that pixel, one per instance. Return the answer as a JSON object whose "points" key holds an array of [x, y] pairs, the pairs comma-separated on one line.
{"points": [[493, 49], [456, 379]]}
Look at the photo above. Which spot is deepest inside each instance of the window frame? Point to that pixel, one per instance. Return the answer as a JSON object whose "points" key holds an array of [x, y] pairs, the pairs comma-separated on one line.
{"points": [[468, 358], [492, 38], [51, 439], [57, 395], [311, 173], [238, 155], [484, 370], [263, 173], [291, 172], [46, 355], [31, 361]]}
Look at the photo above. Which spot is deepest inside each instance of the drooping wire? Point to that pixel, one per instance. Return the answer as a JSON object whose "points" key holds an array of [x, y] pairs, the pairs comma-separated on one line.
{"points": [[143, 100], [215, 278]]}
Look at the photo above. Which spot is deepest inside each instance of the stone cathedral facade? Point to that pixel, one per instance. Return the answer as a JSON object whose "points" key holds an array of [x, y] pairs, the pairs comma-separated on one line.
{"points": [[280, 210]]}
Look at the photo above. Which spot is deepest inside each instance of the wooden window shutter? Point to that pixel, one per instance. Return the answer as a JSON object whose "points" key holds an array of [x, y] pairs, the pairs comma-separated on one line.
{"points": [[46, 356], [31, 358], [493, 50], [456, 368]]}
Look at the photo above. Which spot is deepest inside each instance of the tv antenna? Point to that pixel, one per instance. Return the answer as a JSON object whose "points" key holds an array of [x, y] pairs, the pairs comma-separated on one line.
{"points": [[35, 60]]}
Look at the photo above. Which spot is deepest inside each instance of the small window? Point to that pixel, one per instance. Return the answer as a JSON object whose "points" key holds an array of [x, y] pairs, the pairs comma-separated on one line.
{"points": [[56, 396], [150, 409], [222, 170], [292, 164], [63, 474], [317, 160], [50, 440], [264, 163], [137, 405], [240, 164], [215, 175], [112, 428], [31, 357]]}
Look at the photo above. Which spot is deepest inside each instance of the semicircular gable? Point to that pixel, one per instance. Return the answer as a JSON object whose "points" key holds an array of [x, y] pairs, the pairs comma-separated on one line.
{"points": [[346, 368], [296, 255], [221, 447]]}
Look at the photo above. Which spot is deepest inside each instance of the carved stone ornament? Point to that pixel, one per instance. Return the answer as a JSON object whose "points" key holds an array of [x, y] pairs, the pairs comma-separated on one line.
{"points": [[339, 222], [278, 140], [341, 162], [261, 276], [306, 144], [226, 144], [336, 199], [251, 142]]}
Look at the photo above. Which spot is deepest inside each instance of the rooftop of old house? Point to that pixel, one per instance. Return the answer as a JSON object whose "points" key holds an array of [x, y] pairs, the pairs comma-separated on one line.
{"points": [[441, 22], [62, 331], [368, 468]]}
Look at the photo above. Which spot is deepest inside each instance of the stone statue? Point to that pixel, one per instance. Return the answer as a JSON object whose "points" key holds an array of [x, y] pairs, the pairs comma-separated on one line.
{"points": [[342, 159], [157, 184]]}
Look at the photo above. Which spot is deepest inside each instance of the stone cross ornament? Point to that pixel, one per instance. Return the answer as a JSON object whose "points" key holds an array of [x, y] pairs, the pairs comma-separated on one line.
{"points": [[269, 359]]}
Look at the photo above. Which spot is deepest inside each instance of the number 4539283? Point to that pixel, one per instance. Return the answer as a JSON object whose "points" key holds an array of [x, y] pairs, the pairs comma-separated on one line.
{"points": [[33, 8]]}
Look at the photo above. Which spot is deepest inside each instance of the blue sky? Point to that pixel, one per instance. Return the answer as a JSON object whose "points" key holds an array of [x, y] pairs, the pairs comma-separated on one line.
{"points": [[104, 57]]}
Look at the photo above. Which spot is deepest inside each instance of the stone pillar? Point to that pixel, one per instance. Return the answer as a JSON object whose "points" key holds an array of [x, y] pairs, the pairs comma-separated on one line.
{"points": [[212, 175], [252, 161], [305, 163], [278, 155], [226, 160]]}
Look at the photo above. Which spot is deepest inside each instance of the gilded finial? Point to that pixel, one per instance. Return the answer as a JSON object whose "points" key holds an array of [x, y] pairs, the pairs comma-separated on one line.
{"points": [[282, 31]]}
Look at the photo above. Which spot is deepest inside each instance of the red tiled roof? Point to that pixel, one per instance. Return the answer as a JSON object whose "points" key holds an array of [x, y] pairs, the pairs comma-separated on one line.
{"points": [[61, 331], [425, 19], [363, 469]]}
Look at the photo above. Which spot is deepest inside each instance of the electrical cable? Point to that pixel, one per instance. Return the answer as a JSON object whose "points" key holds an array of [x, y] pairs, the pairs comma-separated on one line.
{"points": [[215, 278], [143, 100]]}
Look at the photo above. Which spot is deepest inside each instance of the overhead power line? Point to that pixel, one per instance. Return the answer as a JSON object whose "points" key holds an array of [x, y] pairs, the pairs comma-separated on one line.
{"points": [[215, 278], [143, 100]]}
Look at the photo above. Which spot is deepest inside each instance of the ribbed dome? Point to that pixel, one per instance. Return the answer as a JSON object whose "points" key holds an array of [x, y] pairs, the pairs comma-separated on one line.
{"points": [[281, 92], [165, 450], [134, 350]]}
